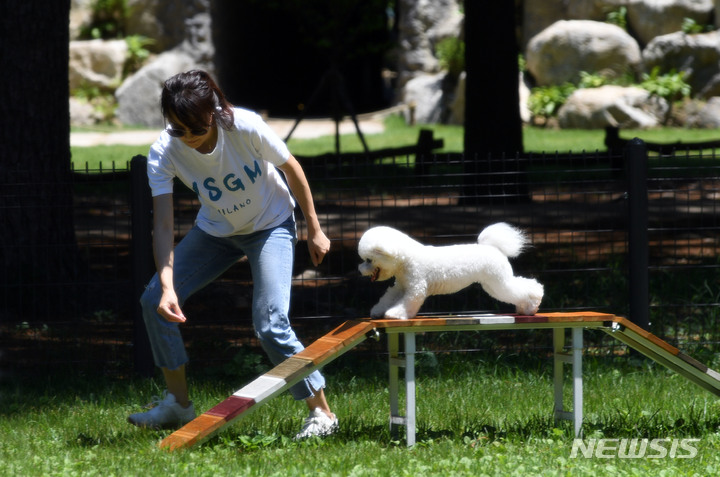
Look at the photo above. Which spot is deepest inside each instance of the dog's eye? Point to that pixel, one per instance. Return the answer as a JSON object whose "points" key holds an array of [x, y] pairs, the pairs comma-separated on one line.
{"points": [[367, 260]]}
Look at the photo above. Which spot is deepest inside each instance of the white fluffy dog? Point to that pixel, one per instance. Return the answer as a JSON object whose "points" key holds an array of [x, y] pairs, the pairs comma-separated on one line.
{"points": [[423, 270]]}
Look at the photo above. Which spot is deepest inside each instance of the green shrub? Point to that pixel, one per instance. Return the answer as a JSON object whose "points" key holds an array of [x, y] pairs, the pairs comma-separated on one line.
{"points": [[451, 55], [545, 101], [618, 17], [692, 27], [592, 80], [671, 86], [109, 20], [137, 53]]}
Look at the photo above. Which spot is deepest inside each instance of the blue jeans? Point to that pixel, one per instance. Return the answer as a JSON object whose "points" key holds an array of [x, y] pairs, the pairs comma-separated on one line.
{"points": [[201, 258]]}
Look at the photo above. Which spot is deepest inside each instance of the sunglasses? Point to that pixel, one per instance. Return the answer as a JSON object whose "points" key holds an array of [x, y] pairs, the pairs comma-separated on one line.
{"points": [[178, 132]]}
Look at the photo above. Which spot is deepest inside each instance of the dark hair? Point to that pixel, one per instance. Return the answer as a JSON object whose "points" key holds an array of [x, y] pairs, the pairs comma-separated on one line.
{"points": [[191, 96]]}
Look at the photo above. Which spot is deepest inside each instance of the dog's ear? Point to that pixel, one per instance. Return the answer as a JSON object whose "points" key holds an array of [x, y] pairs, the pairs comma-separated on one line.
{"points": [[381, 252]]}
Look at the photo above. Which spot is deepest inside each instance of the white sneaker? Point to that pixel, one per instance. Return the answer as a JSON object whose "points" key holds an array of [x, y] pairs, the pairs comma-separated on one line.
{"points": [[167, 414], [318, 424]]}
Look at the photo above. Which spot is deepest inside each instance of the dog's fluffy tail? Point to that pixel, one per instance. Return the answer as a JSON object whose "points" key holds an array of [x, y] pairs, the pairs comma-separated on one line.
{"points": [[506, 238]]}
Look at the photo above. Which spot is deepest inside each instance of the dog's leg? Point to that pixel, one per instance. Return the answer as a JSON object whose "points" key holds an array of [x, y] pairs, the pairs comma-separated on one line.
{"points": [[406, 308], [389, 299], [408, 305], [525, 293]]}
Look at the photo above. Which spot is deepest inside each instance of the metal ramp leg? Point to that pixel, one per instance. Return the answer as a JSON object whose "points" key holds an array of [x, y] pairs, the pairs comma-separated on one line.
{"points": [[407, 362], [560, 358]]}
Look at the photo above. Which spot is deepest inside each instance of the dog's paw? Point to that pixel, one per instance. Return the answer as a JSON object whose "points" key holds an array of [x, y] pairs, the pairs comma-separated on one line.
{"points": [[530, 303], [388, 317], [395, 313], [528, 308]]}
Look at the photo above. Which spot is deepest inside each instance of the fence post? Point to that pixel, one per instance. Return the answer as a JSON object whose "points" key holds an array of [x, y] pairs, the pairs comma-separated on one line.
{"points": [[142, 260], [636, 163]]}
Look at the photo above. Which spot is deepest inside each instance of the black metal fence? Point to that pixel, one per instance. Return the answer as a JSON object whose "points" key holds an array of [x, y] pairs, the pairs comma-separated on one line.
{"points": [[618, 232]]}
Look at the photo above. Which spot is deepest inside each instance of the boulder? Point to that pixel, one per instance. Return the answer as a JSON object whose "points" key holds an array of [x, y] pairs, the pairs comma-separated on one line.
{"points": [[617, 106], [540, 14], [560, 52], [708, 116], [697, 55], [457, 104], [139, 96], [96, 63], [422, 24], [652, 18], [80, 16], [82, 113], [597, 10], [524, 92], [163, 20], [426, 93]]}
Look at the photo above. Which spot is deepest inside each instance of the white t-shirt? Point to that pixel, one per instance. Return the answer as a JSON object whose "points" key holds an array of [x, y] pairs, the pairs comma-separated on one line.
{"points": [[239, 188]]}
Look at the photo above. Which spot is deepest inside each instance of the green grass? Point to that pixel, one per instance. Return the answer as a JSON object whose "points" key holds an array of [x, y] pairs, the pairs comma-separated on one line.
{"points": [[477, 415], [398, 134], [108, 157]]}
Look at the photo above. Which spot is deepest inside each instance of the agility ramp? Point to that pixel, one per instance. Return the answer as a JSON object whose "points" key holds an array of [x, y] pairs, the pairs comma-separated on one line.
{"points": [[351, 333]]}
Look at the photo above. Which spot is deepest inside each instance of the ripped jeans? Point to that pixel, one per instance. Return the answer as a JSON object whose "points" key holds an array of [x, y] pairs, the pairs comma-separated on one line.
{"points": [[199, 259]]}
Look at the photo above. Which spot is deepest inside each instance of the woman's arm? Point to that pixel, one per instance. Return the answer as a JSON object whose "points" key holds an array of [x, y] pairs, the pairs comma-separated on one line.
{"points": [[318, 243], [163, 243]]}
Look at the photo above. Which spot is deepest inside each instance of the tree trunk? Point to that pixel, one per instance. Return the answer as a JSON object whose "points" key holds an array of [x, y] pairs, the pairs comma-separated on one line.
{"points": [[493, 126], [38, 252]]}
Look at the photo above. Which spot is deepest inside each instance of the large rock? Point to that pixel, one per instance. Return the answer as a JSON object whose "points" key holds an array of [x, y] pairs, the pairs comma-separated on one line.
{"points": [[80, 16], [83, 113], [559, 53], [139, 96], [708, 116], [426, 93], [540, 14], [457, 102], [597, 10], [96, 63], [163, 20], [422, 24], [697, 55], [652, 18], [617, 106]]}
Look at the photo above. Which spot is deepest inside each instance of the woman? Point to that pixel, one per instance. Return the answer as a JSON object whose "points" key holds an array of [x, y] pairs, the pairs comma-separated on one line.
{"points": [[230, 158]]}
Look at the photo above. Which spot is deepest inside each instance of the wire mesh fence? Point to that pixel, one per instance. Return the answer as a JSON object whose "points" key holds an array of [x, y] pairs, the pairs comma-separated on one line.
{"points": [[574, 208]]}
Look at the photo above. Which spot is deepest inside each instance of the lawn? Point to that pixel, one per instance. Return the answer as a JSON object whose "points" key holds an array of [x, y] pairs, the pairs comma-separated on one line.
{"points": [[477, 415], [397, 134]]}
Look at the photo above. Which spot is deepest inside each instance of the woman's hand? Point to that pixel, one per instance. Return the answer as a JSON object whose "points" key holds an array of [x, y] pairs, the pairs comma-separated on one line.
{"points": [[170, 309], [318, 246]]}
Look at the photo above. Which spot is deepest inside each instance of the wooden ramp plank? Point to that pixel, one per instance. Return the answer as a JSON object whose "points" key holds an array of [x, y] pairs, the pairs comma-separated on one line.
{"points": [[261, 388], [193, 432], [231, 407], [277, 380], [578, 317], [669, 356], [627, 324], [321, 350], [291, 369], [353, 332]]}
